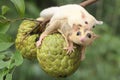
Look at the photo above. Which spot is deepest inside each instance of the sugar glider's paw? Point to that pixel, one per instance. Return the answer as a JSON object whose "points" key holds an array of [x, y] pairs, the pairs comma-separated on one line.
{"points": [[38, 43], [69, 49], [40, 19]]}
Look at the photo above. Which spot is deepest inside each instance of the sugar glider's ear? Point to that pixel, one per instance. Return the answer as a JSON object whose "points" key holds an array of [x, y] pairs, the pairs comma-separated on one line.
{"points": [[82, 15], [75, 27], [99, 22], [95, 36]]}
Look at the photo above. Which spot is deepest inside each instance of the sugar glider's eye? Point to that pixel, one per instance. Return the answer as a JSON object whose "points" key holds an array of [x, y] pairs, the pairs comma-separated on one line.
{"points": [[79, 25], [86, 22], [78, 33], [89, 35], [93, 26]]}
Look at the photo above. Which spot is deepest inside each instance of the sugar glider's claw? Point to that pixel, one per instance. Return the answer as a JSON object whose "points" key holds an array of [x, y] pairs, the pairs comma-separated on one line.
{"points": [[38, 43], [69, 50]]}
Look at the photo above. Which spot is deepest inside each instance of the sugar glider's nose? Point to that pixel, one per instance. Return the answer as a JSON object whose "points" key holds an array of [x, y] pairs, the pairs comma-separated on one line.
{"points": [[82, 40]]}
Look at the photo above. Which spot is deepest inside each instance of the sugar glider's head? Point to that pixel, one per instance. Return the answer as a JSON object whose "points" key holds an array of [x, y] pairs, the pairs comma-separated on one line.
{"points": [[87, 20], [90, 22], [82, 36]]}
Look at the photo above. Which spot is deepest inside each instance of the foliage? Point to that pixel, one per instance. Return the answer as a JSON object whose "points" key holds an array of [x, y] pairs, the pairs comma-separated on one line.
{"points": [[102, 58], [20, 6], [9, 58]]}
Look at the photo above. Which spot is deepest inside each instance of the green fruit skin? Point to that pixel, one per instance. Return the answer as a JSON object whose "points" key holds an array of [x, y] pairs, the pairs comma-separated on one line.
{"points": [[51, 55], [53, 58], [26, 44]]}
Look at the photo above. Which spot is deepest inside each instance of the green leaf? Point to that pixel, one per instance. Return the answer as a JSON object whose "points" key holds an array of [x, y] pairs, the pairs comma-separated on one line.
{"points": [[3, 17], [5, 38], [4, 9], [2, 57], [4, 27], [20, 6], [8, 77], [6, 41], [5, 45], [4, 64], [1, 77], [18, 59], [6, 52], [3, 72]]}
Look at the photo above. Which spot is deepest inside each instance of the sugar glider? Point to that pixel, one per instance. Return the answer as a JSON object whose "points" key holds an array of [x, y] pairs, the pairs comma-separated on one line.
{"points": [[75, 14]]}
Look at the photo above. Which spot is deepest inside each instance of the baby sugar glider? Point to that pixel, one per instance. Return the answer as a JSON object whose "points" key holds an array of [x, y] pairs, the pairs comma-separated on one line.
{"points": [[83, 37], [75, 34]]}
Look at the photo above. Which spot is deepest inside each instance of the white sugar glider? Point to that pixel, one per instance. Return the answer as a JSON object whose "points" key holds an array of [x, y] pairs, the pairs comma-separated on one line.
{"points": [[75, 13]]}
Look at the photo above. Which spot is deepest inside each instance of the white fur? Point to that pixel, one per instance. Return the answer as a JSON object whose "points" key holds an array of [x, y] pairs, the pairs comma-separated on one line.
{"points": [[72, 12], [49, 12]]}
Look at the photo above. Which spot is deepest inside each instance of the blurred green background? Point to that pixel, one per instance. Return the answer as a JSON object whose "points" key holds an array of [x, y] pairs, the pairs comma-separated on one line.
{"points": [[102, 57]]}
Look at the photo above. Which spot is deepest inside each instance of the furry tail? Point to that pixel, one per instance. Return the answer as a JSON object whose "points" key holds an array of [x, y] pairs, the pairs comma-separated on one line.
{"points": [[99, 22], [49, 12]]}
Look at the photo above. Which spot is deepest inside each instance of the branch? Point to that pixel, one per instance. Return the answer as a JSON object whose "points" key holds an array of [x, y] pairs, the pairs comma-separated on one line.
{"points": [[5, 20], [87, 2]]}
